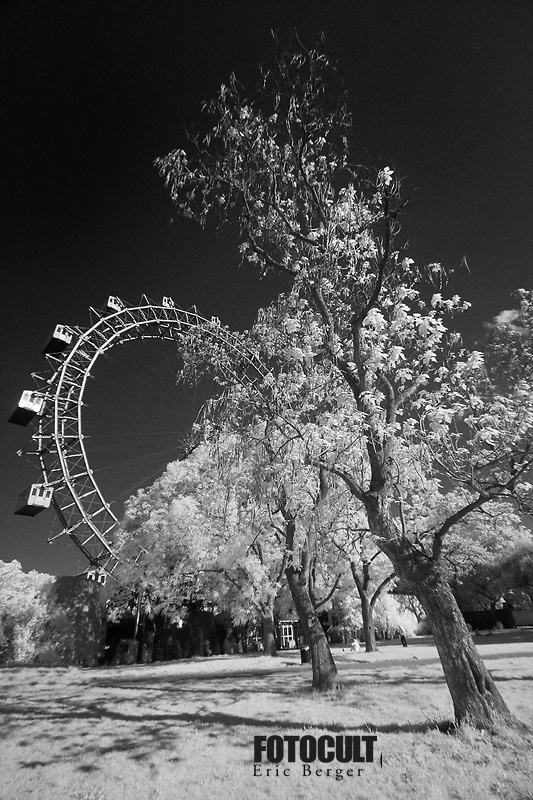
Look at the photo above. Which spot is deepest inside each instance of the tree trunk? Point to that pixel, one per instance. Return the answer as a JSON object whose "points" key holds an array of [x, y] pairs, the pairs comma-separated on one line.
{"points": [[369, 631], [324, 669], [367, 610], [268, 635], [476, 700]]}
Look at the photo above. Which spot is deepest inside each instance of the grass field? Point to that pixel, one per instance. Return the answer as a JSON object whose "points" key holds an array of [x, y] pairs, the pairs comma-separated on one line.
{"points": [[185, 729]]}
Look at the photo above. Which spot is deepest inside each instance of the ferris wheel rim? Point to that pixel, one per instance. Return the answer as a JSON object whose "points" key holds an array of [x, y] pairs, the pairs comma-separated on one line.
{"points": [[64, 392]]}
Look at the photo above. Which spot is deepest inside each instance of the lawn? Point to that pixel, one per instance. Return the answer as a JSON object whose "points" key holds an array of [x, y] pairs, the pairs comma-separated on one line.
{"points": [[186, 729]]}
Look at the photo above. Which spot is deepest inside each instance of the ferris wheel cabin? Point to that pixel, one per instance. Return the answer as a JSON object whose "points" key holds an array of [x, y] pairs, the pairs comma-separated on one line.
{"points": [[115, 303], [34, 500], [98, 575], [29, 405], [58, 342]]}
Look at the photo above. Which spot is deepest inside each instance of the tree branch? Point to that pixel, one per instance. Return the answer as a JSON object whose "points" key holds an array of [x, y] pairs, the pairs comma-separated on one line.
{"points": [[380, 588], [330, 593], [354, 488], [453, 520]]}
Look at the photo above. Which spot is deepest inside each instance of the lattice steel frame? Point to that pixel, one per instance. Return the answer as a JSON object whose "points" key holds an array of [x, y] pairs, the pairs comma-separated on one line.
{"points": [[58, 443]]}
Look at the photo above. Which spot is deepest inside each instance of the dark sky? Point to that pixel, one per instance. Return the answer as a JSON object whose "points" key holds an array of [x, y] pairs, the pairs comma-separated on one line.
{"points": [[92, 91]]}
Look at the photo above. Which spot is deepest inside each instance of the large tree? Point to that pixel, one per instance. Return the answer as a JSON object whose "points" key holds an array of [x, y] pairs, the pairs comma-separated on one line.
{"points": [[423, 414]]}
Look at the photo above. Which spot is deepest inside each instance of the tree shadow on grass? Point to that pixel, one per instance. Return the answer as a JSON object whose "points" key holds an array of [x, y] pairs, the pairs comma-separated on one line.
{"points": [[503, 655], [442, 726], [382, 681], [192, 688], [118, 680], [386, 661]]}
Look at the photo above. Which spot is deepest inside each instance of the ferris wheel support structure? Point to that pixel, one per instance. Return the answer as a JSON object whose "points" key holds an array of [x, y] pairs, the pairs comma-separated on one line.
{"points": [[69, 485]]}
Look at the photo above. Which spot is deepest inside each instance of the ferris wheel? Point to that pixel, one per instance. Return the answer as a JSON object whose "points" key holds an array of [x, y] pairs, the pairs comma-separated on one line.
{"points": [[55, 409]]}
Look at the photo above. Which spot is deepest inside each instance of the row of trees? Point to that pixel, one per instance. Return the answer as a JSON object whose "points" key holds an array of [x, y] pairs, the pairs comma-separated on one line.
{"points": [[208, 530], [368, 385]]}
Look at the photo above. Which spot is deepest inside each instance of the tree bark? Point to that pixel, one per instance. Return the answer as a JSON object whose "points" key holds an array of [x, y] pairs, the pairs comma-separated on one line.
{"points": [[323, 665], [475, 697], [268, 635]]}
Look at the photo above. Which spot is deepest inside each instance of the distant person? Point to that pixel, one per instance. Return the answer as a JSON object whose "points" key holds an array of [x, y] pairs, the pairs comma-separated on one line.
{"points": [[403, 640]]}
